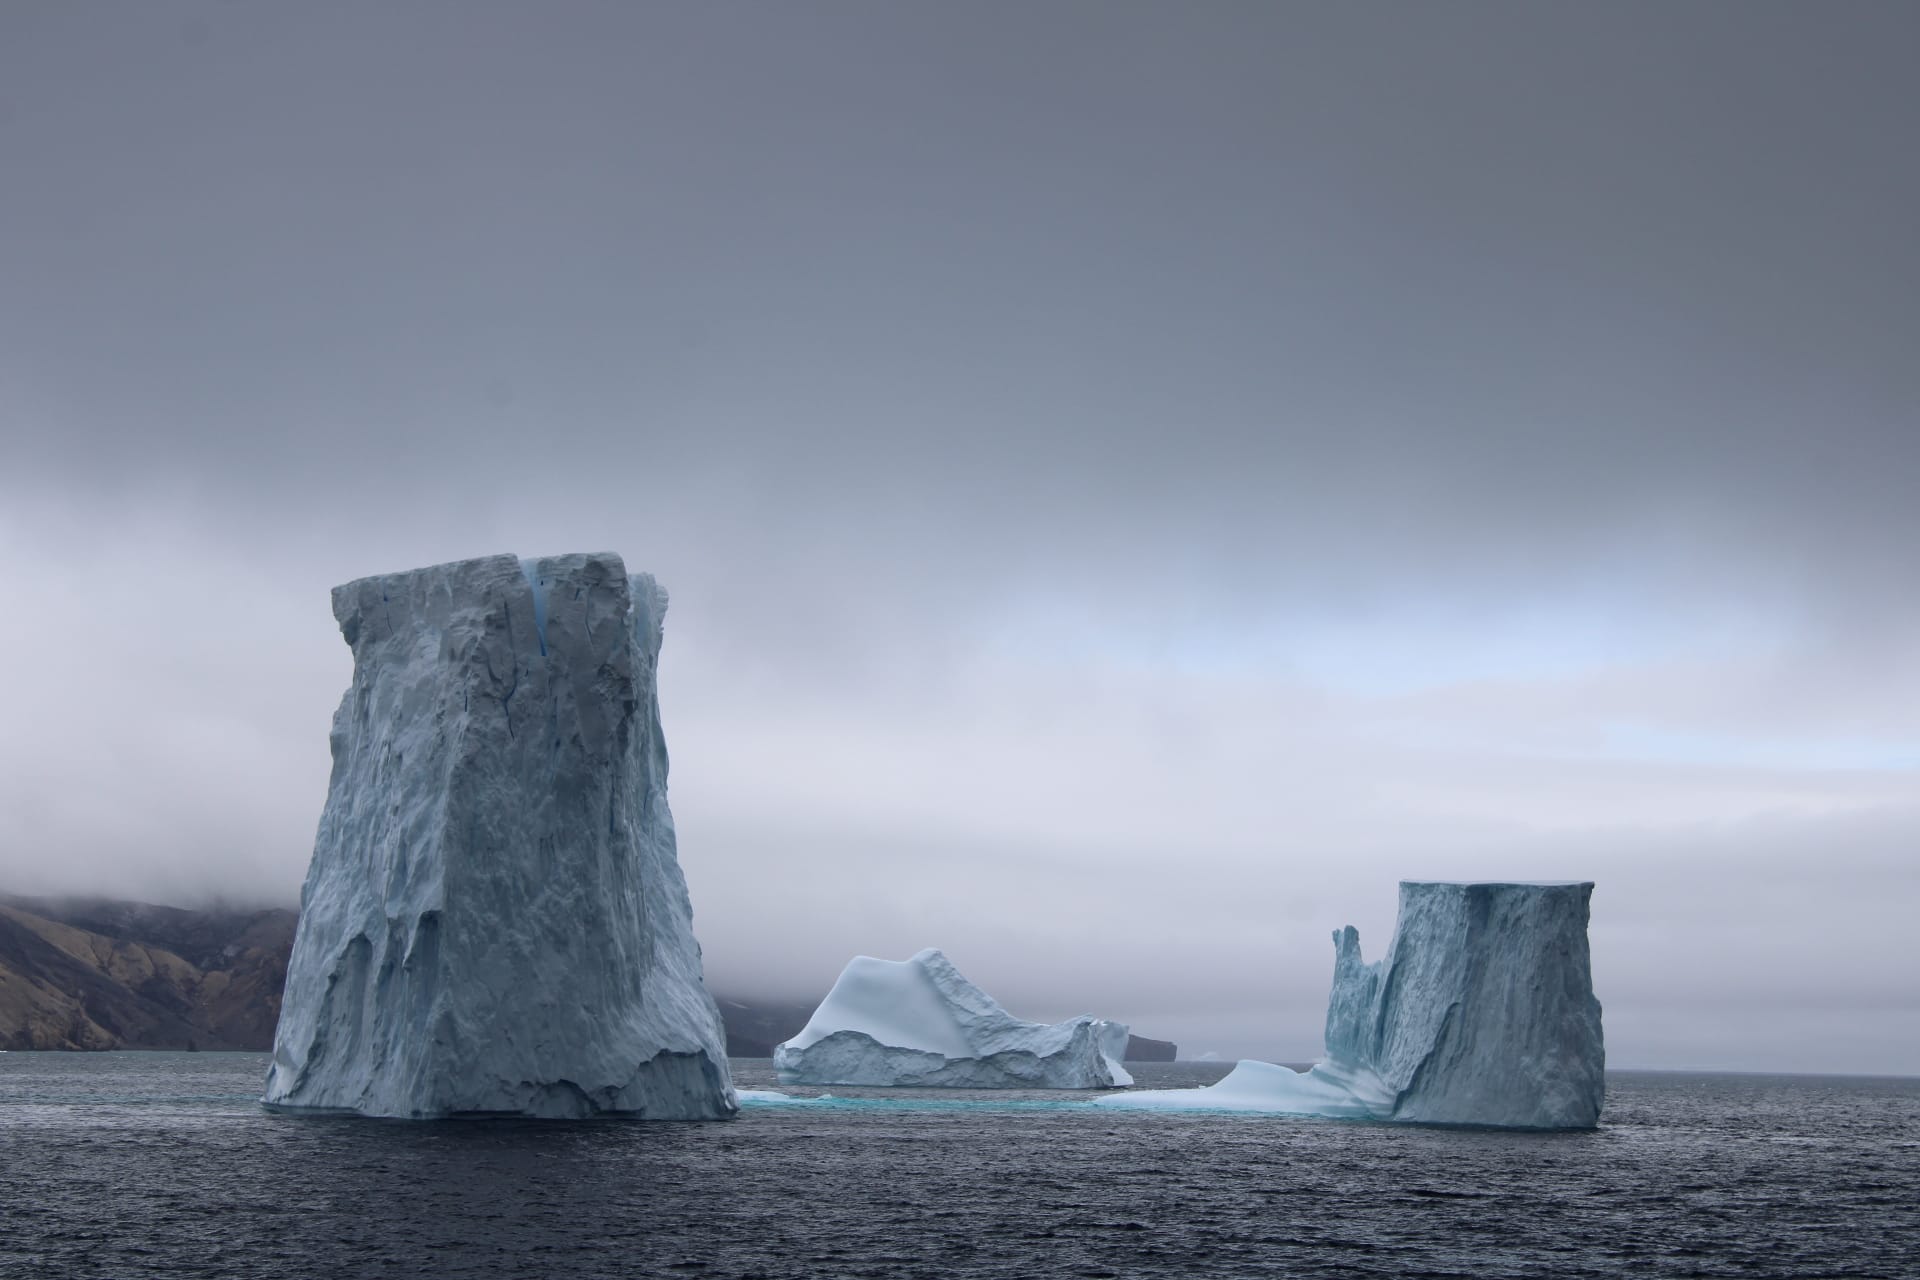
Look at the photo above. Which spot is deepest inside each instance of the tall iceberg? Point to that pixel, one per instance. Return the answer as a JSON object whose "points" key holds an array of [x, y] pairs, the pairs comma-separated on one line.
{"points": [[494, 921], [919, 1022], [1482, 1013]]}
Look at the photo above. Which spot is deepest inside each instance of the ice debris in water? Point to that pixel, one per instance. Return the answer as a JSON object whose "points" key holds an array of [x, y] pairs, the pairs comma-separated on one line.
{"points": [[1482, 1013], [919, 1022], [494, 921]]}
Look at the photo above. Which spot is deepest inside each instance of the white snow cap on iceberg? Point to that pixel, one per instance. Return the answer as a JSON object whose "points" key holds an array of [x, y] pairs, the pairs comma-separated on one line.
{"points": [[919, 1022], [1482, 1013], [494, 921]]}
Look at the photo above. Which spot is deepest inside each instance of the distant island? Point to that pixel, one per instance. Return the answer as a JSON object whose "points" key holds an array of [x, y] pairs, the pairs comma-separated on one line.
{"points": [[97, 973]]}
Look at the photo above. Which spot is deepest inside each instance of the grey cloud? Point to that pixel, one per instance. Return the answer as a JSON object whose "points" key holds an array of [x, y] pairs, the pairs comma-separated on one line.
{"points": [[1024, 405]]}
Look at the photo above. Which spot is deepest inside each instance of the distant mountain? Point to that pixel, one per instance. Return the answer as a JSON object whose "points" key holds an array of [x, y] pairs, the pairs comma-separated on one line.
{"points": [[754, 1027], [1141, 1049], [91, 973], [94, 973]]}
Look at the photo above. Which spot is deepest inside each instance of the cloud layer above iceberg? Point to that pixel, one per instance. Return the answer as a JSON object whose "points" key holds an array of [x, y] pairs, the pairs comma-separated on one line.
{"points": [[1068, 459]]}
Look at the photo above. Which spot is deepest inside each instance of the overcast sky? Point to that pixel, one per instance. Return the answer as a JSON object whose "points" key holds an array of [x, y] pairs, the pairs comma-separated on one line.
{"points": [[1135, 481]]}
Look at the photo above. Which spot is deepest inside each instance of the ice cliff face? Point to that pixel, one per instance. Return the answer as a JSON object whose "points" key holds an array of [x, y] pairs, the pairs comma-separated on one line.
{"points": [[494, 921], [919, 1022], [1481, 1013]]}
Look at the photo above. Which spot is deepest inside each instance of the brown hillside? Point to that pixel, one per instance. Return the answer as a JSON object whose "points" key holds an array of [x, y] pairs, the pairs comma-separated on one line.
{"points": [[91, 974]]}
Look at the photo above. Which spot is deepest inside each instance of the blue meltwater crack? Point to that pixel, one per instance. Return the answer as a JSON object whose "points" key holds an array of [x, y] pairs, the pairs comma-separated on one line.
{"points": [[539, 589]]}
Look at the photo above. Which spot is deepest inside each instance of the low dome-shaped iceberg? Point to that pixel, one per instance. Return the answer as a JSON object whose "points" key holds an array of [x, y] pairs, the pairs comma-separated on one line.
{"points": [[919, 1022]]}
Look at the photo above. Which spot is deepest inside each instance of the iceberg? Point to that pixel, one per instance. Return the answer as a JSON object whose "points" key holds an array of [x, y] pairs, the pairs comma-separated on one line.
{"points": [[494, 921], [1257, 1086], [1482, 1013], [918, 1022]]}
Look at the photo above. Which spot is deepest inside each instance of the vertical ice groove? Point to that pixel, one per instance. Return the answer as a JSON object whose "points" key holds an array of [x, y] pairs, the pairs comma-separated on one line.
{"points": [[530, 569]]}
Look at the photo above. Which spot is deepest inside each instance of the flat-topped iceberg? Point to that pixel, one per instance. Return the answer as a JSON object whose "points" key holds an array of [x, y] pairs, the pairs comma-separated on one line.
{"points": [[1482, 1013], [494, 921], [919, 1022]]}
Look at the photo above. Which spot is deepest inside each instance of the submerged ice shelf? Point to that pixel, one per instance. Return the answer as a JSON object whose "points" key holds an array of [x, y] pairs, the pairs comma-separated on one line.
{"points": [[919, 1022], [494, 920], [1481, 1013]]}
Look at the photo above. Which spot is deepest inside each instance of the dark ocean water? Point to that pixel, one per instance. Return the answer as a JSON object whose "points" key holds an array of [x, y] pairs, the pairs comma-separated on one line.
{"points": [[128, 1165]]}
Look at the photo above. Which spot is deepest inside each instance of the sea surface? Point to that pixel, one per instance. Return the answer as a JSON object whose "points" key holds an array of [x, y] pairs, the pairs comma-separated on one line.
{"points": [[162, 1164]]}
